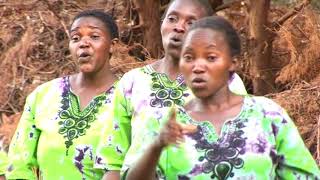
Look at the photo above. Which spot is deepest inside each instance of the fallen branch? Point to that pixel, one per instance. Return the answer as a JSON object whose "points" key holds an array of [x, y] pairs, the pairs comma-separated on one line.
{"points": [[227, 5], [6, 111], [276, 24], [55, 13]]}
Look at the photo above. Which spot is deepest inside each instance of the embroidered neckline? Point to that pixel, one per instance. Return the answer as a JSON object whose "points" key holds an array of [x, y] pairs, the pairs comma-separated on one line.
{"points": [[209, 131], [165, 92], [220, 154], [75, 122]]}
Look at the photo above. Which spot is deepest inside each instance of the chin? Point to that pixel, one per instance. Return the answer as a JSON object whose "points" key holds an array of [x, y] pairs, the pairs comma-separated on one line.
{"points": [[202, 94], [85, 69]]}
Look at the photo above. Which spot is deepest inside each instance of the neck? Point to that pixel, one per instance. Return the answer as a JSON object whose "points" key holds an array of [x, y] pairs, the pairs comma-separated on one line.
{"points": [[170, 66], [101, 79], [218, 101]]}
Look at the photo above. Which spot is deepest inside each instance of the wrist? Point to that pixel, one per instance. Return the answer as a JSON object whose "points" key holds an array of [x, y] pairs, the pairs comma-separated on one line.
{"points": [[157, 145]]}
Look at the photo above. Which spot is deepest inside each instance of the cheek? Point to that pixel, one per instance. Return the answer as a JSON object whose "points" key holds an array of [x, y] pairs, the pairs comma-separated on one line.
{"points": [[164, 33], [185, 69], [102, 49]]}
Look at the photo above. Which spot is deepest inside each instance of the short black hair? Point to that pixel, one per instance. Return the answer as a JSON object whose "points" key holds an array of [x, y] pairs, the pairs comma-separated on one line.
{"points": [[220, 24], [203, 3], [106, 18]]}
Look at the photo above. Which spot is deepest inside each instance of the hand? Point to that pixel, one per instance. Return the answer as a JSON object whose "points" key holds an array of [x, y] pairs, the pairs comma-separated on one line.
{"points": [[173, 132]]}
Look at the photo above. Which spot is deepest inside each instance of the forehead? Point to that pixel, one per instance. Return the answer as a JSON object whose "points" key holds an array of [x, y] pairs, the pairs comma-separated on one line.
{"points": [[187, 8], [89, 22], [205, 36]]}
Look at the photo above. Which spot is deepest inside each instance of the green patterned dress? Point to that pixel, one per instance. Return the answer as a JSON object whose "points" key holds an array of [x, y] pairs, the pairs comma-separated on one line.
{"points": [[142, 99], [55, 136], [261, 142], [3, 161]]}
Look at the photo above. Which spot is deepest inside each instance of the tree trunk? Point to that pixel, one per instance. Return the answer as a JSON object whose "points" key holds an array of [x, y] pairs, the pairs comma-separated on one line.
{"points": [[149, 21], [261, 45]]}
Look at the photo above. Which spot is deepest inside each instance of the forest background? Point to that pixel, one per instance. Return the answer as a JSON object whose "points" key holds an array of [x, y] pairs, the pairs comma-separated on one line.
{"points": [[280, 56]]}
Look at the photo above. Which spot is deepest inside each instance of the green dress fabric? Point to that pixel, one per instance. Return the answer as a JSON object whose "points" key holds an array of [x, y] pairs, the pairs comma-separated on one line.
{"points": [[141, 101], [55, 136], [261, 142], [3, 162]]}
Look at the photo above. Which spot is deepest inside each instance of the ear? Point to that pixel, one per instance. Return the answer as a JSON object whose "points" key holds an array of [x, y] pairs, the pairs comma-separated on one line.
{"points": [[234, 64], [114, 43]]}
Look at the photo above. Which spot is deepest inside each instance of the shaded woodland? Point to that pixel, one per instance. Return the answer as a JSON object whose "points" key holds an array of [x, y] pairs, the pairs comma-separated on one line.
{"points": [[280, 56]]}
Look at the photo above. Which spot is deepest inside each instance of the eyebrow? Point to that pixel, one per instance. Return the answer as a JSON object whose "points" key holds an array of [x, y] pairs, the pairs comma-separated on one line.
{"points": [[175, 12], [211, 46], [91, 27]]}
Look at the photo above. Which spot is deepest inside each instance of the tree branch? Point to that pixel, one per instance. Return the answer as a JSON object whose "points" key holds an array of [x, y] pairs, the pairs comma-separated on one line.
{"points": [[276, 24], [227, 5]]}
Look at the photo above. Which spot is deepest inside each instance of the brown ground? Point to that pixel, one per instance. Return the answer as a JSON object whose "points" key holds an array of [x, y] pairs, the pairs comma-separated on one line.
{"points": [[34, 49]]}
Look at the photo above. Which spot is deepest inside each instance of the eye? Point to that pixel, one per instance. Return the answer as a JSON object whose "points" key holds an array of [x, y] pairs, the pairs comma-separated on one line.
{"points": [[190, 22], [172, 18], [187, 58], [75, 38], [212, 58], [95, 37]]}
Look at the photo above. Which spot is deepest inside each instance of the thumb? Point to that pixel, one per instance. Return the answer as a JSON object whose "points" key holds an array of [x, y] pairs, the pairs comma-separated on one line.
{"points": [[173, 114], [189, 128]]}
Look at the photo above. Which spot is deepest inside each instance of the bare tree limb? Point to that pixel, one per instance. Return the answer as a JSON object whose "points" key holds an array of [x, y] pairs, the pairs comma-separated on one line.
{"points": [[55, 13], [227, 5], [276, 24]]}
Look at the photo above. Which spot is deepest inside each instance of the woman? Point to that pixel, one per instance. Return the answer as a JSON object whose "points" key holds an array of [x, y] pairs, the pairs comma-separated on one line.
{"points": [[144, 94], [62, 119], [218, 134]]}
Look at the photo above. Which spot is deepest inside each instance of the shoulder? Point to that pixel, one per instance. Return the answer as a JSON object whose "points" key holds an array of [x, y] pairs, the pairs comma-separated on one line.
{"points": [[54, 85], [135, 76], [138, 70], [265, 102], [268, 108]]}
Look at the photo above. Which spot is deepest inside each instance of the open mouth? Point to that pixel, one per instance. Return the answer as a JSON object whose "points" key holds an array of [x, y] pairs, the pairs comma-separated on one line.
{"points": [[176, 41], [198, 83], [84, 56]]}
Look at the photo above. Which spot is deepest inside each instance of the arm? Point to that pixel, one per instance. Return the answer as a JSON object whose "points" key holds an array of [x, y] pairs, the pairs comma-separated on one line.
{"points": [[295, 160], [22, 151], [111, 175], [145, 167]]}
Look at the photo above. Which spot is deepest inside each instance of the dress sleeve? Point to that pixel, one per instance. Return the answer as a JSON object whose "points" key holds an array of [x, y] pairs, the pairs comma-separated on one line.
{"points": [[236, 85], [294, 159], [23, 146], [116, 135]]}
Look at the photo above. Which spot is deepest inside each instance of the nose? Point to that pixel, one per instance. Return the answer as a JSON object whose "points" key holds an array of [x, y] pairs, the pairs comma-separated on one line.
{"points": [[199, 67], [180, 27], [84, 43]]}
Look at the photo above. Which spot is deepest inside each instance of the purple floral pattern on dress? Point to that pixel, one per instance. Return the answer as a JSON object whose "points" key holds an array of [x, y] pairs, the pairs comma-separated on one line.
{"points": [[222, 156]]}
